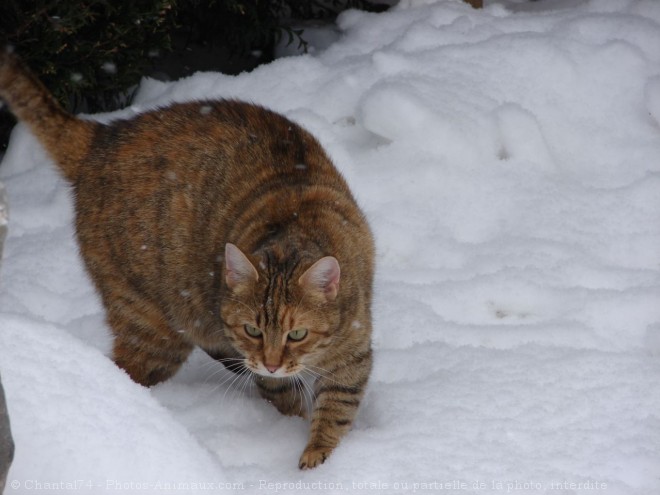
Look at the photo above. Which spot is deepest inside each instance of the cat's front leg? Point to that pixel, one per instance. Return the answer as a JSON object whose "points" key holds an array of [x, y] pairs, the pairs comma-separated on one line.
{"points": [[338, 397]]}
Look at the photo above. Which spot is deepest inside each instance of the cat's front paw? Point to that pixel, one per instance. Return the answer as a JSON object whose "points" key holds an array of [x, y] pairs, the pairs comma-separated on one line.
{"points": [[313, 457]]}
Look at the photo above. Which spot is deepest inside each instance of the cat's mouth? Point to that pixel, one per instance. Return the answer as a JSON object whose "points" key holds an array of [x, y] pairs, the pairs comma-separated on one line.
{"points": [[273, 371], [240, 366]]}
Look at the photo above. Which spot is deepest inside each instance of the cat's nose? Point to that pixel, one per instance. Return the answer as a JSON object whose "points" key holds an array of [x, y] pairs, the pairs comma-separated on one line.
{"points": [[272, 368]]}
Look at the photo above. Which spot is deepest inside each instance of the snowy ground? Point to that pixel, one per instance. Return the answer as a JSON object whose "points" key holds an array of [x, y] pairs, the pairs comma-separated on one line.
{"points": [[509, 162]]}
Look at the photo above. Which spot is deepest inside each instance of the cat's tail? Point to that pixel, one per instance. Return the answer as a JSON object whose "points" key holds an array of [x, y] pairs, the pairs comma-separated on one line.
{"points": [[66, 138]]}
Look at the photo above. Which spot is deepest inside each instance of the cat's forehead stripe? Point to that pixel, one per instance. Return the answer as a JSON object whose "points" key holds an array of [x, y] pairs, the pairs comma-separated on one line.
{"points": [[275, 298]]}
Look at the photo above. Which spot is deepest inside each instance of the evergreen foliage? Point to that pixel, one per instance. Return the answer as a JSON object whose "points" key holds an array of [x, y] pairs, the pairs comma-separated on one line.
{"points": [[92, 53], [247, 25], [87, 51]]}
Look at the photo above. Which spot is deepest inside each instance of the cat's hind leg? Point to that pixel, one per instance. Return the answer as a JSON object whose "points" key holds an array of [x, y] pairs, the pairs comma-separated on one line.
{"points": [[145, 346]]}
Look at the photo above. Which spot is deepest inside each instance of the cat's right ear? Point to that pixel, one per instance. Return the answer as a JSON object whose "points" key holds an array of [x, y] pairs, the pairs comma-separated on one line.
{"points": [[238, 269]]}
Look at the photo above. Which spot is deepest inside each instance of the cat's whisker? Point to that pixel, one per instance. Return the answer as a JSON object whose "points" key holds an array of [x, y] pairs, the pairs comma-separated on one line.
{"points": [[310, 386], [213, 362], [294, 386], [229, 376], [213, 371], [214, 374], [221, 383], [315, 376], [247, 383], [303, 398], [310, 396], [222, 360], [295, 399], [300, 385], [239, 377], [216, 367], [322, 373], [227, 364]]}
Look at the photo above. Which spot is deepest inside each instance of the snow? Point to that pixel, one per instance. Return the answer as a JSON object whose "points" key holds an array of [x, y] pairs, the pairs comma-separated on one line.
{"points": [[509, 163]]}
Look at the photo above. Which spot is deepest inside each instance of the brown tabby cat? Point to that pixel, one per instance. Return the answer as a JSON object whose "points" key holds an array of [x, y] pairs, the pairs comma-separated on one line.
{"points": [[222, 225]]}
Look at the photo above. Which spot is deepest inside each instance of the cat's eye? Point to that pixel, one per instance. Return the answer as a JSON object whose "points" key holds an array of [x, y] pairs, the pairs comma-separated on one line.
{"points": [[297, 335], [252, 331]]}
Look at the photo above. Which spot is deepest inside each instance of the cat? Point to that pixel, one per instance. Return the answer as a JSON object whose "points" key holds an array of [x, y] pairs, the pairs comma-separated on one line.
{"points": [[223, 225]]}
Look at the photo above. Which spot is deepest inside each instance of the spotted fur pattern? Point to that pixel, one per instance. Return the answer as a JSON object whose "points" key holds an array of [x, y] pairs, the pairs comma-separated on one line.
{"points": [[223, 225]]}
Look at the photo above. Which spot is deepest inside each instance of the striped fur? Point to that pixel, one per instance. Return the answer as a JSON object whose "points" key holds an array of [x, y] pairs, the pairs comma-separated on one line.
{"points": [[202, 220]]}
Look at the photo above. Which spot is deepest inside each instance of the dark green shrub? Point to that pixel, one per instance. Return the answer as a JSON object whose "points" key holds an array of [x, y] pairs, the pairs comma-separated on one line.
{"points": [[87, 51], [91, 53], [247, 25]]}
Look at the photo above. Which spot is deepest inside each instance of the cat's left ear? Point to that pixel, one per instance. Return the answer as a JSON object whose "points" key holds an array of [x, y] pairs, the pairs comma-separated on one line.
{"points": [[238, 269], [322, 277]]}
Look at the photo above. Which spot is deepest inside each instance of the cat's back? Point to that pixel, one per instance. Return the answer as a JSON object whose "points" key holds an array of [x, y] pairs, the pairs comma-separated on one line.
{"points": [[227, 136], [217, 154], [174, 184]]}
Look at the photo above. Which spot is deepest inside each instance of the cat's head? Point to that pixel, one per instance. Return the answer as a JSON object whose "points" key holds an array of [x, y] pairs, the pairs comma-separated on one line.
{"points": [[283, 317]]}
